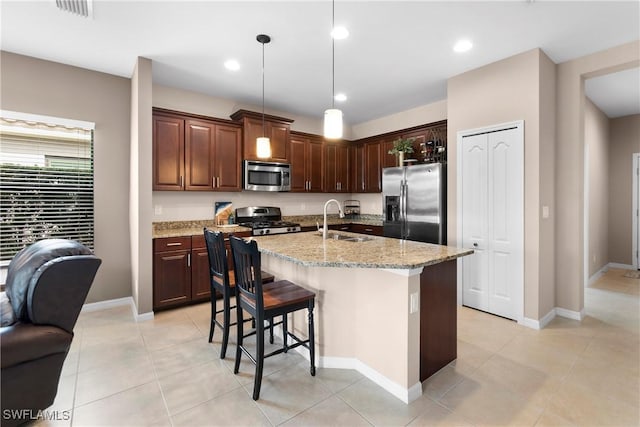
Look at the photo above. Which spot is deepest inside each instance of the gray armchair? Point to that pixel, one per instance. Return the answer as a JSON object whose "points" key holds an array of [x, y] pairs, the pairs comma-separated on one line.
{"points": [[47, 284]]}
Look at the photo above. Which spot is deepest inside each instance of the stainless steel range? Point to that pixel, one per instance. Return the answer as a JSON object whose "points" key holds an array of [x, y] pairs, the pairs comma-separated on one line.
{"points": [[264, 220]]}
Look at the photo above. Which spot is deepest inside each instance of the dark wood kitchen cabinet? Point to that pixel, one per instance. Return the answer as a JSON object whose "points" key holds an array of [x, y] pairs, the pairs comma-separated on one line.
{"points": [[366, 174], [168, 153], [336, 170], [171, 271], [306, 163], [277, 129], [181, 270], [195, 154]]}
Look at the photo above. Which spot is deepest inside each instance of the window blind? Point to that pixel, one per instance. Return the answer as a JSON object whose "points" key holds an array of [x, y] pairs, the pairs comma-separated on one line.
{"points": [[46, 184]]}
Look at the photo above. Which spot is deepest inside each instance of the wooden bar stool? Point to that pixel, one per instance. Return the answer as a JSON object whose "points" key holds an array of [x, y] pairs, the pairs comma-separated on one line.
{"points": [[223, 281], [265, 301]]}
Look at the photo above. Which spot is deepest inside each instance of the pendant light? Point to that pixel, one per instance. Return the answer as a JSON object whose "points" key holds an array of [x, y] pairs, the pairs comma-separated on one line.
{"points": [[263, 144], [333, 116]]}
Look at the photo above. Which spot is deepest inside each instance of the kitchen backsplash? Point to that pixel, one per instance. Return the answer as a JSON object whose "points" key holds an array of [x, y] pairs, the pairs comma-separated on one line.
{"points": [[185, 205]]}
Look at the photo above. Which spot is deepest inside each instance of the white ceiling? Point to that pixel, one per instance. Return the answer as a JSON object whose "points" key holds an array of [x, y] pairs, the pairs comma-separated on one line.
{"points": [[398, 56], [616, 94]]}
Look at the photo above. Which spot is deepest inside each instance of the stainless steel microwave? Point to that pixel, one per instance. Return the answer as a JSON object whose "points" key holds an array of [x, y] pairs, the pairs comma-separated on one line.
{"points": [[266, 176]]}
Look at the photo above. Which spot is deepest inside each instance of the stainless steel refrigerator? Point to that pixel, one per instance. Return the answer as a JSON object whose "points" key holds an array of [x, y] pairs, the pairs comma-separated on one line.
{"points": [[414, 203]]}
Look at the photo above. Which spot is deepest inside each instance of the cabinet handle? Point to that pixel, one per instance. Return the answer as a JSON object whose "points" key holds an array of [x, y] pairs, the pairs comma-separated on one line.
{"points": [[368, 229], [181, 181], [174, 244], [213, 182], [218, 182], [188, 260]]}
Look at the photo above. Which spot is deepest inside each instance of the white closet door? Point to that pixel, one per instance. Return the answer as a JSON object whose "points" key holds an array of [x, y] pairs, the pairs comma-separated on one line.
{"points": [[505, 214], [474, 221], [492, 215]]}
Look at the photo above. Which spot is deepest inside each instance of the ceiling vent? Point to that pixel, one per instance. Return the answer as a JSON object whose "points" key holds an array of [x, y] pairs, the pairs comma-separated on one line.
{"points": [[78, 7]]}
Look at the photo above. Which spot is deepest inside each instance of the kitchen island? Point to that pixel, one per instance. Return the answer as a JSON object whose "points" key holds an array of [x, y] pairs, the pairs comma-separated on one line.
{"points": [[385, 307]]}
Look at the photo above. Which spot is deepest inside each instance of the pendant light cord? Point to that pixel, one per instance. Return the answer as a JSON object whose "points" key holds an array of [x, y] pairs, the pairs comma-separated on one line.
{"points": [[263, 133], [333, 54]]}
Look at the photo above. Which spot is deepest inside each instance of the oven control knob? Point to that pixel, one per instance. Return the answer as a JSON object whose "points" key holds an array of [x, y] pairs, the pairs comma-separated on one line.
{"points": [[261, 231], [266, 231]]}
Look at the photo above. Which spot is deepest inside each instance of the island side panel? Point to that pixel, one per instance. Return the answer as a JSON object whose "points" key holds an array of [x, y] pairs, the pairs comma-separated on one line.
{"points": [[438, 317], [361, 316]]}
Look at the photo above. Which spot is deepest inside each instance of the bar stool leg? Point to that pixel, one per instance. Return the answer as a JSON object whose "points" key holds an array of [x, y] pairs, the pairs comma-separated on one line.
{"points": [[227, 321], [213, 315], [239, 328], [312, 346], [259, 358], [285, 328]]}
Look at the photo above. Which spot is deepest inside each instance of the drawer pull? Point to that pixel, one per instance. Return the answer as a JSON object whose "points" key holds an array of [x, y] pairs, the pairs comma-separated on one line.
{"points": [[174, 244], [368, 229]]}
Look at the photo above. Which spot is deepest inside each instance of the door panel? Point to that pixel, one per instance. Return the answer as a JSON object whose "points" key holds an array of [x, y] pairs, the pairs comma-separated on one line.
{"points": [[492, 179], [199, 151], [168, 153], [474, 221], [227, 158]]}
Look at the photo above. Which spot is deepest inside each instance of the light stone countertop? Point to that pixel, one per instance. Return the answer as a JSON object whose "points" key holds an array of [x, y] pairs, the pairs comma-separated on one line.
{"points": [[193, 228], [308, 249], [190, 228]]}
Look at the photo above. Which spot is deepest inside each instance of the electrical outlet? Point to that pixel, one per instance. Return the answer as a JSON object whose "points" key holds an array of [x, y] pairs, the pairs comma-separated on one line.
{"points": [[414, 303], [157, 209]]}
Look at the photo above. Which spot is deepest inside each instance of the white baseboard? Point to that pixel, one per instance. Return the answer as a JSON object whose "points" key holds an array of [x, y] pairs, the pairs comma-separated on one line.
{"points": [[598, 274], [539, 324], [104, 305], [118, 302], [407, 395], [622, 266], [570, 314]]}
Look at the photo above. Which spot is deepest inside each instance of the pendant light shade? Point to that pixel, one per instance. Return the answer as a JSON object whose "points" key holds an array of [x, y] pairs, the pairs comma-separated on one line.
{"points": [[333, 116], [333, 123], [263, 147], [263, 144]]}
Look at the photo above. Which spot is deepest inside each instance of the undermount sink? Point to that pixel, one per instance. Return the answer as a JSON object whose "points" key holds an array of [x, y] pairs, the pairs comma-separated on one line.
{"points": [[336, 236]]}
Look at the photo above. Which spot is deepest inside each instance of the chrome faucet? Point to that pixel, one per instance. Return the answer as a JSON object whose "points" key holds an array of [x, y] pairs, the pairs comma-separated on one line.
{"points": [[324, 228]]}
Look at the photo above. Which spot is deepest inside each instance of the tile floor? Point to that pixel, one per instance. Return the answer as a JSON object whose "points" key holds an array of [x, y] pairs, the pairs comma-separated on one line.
{"points": [[163, 372]]}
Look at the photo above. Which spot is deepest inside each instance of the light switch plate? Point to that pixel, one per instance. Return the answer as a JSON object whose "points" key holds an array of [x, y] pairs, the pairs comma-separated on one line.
{"points": [[414, 303], [157, 209], [545, 212]]}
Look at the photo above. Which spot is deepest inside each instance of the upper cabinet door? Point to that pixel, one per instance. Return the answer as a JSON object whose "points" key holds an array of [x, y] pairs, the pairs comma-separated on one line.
{"points": [[279, 134], [315, 166], [277, 129], [373, 170], [227, 161], [199, 146], [168, 153], [298, 152]]}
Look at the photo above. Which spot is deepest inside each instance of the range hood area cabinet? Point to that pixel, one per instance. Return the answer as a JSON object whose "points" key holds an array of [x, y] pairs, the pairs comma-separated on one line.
{"points": [[307, 163], [195, 153], [277, 129]]}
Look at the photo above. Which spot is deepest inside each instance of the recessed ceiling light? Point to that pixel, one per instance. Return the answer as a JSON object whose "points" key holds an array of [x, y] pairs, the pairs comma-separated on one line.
{"points": [[232, 65], [462, 46], [339, 33], [340, 97]]}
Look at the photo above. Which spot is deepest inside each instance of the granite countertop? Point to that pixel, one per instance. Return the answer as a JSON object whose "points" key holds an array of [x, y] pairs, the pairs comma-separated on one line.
{"points": [[190, 228], [308, 249], [193, 228], [333, 219]]}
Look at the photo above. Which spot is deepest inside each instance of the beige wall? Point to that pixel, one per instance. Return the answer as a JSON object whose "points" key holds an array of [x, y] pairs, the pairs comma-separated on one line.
{"points": [[140, 186], [516, 88], [428, 113], [569, 153], [596, 139], [197, 103], [36, 86], [547, 181], [624, 141]]}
